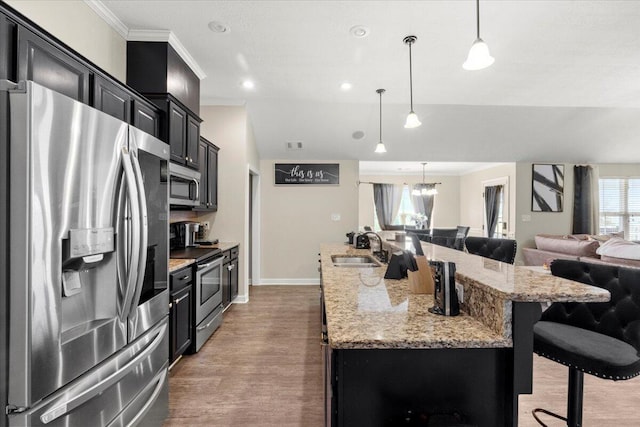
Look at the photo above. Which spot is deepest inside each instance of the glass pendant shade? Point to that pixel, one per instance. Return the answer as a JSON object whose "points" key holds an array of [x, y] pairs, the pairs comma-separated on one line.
{"points": [[412, 121], [380, 148], [479, 56]]}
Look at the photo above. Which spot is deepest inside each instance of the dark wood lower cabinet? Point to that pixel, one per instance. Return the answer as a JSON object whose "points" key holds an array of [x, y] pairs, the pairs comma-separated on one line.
{"points": [[230, 276], [180, 313]]}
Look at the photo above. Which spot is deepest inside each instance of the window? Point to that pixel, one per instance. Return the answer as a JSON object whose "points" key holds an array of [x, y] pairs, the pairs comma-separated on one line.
{"points": [[620, 206], [405, 212]]}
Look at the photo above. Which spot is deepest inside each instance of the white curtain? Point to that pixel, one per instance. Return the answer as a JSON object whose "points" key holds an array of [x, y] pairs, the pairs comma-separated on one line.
{"points": [[387, 198]]}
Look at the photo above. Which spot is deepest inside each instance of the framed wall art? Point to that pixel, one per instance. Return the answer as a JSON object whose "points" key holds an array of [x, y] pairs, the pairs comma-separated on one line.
{"points": [[307, 173], [547, 188]]}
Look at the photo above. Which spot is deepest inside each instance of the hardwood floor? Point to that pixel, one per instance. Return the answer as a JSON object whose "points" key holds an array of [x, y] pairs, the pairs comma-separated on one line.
{"points": [[263, 368]]}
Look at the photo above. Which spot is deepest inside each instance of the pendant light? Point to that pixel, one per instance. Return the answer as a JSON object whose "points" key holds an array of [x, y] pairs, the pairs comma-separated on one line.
{"points": [[479, 56], [424, 191], [412, 118], [380, 147]]}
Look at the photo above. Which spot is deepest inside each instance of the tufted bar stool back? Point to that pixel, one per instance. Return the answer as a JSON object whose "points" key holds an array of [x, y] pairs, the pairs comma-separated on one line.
{"points": [[503, 250], [601, 339]]}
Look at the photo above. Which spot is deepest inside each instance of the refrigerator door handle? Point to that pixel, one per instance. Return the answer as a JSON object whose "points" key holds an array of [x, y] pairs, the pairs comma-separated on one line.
{"points": [[66, 405], [143, 233], [132, 191], [122, 236]]}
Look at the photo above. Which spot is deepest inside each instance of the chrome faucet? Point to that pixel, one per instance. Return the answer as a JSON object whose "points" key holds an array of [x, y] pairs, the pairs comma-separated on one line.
{"points": [[381, 254]]}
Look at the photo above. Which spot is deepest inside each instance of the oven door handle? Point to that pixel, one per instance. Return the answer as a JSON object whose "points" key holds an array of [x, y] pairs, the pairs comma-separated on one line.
{"points": [[209, 264]]}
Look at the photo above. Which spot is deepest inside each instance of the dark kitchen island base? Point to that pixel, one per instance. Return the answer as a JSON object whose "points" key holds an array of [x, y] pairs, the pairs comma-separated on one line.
{"points": [[406, 387]]}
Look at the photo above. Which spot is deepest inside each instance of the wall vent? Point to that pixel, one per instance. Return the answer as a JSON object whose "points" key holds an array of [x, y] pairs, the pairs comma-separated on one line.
{"points": [[293, 145]]}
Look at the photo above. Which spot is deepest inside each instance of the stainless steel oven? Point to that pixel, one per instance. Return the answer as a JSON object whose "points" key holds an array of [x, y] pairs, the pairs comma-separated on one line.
{"points": [[184, 188], [208, 298]]}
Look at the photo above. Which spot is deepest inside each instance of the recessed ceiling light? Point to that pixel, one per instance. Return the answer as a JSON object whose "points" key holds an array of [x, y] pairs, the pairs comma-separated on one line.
{"points": [[219, 27], [357, 134], [248, 84], [346, 86], [359, 31]]}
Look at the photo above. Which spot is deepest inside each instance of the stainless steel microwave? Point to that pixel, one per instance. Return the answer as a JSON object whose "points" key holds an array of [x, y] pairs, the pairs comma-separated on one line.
{"points": [[184, 188]]}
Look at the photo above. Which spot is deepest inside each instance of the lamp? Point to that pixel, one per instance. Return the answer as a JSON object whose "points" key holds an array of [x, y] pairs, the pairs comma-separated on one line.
{"points": [[380, 147], [479, 56], [412, 118], [424, 191]]}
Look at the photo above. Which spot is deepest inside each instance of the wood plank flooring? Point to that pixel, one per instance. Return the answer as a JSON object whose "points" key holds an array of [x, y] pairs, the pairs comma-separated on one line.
{"points": [[263, 368]]}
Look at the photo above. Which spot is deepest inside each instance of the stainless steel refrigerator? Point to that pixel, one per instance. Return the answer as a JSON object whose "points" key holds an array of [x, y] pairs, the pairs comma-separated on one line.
{"points": [[85, 274]]}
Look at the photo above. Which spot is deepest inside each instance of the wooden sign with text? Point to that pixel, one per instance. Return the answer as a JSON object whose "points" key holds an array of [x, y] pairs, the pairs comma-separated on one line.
{"points": [[307, 173]]}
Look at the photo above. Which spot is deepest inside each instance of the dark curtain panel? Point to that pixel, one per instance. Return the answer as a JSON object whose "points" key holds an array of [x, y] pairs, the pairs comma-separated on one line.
{"points": [[491, 199], [583, 217], [383, 199], [423, 203]]}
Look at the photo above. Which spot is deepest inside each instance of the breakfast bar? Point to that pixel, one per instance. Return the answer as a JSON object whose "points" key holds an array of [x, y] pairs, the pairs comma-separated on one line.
{"points": [[389, 361]]}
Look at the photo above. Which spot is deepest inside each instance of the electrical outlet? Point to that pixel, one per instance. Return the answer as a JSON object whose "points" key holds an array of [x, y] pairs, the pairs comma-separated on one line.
{"points": [[460, 292], [335, 217], [205, 225]]}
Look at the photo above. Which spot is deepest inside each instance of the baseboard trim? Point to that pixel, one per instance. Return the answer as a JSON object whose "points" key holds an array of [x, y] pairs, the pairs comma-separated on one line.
{"points": [[271, 282], [240, 299]]}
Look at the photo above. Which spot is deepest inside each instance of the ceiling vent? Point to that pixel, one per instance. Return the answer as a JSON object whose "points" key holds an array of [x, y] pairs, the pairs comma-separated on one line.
{"points": [[293, 145]]}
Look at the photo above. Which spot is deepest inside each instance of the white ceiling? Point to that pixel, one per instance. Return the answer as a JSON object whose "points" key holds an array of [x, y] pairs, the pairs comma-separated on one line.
{"points": [[565, 85]]}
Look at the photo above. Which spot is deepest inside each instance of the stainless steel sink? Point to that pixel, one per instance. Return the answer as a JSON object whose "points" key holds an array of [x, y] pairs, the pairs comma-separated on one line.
{"points": [[362, 261]]}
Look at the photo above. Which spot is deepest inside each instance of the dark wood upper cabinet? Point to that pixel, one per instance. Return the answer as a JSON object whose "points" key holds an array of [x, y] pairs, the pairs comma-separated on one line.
{"points": [[45, 64], [155, 67], [8, 31], [177, 132], [203, 149], [191, 143], [179, 128], [208, 175], [111, 99], [146, 117]]}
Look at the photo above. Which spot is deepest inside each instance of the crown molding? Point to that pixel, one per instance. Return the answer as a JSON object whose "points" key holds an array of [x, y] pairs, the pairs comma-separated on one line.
{"points": [[109, 17], [168, 37], [146, 35]]}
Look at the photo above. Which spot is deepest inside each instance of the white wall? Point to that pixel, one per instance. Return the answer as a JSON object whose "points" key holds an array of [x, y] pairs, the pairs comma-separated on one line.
{"points": [[446, 211], [226, 127], [296, 219], [472, 201], [619, 170], [78, 26]]}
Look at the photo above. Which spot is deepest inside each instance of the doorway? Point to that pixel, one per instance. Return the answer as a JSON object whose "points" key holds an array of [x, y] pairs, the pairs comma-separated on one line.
{"points": [[496, 204], [253, 229]]}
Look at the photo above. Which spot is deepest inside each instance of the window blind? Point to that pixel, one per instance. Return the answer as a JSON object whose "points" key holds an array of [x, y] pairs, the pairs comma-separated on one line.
{"points": [[620, 206]]}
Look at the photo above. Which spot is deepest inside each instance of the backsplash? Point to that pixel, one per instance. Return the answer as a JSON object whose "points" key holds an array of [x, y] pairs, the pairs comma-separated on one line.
{"points": [[184, 215]]}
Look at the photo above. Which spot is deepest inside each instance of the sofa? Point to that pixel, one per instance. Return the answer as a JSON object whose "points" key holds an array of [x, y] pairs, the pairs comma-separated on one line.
{"points": [[609, 249]]}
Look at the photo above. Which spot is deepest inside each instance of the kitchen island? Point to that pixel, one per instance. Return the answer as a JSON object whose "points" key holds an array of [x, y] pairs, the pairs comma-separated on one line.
{"points": [[389, 361]]}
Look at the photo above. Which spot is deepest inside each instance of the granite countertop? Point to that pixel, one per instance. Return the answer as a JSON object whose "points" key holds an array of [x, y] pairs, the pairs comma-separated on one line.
{"points": [[177, 264], [516, 283], [364, 310]]}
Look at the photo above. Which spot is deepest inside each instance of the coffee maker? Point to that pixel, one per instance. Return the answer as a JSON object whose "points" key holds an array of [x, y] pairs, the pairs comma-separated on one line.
{"points": [[183, 234]]}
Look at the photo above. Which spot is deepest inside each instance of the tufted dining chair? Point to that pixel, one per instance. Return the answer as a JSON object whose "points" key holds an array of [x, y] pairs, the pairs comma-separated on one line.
{"points": [[601, 339], [499, 249]]}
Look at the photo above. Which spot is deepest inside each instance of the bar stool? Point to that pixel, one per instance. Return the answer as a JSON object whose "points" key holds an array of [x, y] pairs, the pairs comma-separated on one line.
{"points": [[503, 250], [601, 339]]}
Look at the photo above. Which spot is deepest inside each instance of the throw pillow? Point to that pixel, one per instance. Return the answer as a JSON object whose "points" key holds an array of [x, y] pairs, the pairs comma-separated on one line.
{"points": [[619, 248]]}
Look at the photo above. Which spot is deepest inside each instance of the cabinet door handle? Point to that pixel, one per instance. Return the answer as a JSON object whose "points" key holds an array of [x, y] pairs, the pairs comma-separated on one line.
{"points": [[185, 277], [180, 299]]}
